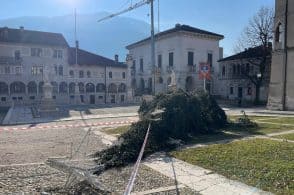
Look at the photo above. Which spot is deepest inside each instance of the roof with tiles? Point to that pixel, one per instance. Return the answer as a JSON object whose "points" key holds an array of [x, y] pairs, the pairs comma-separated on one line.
{"points": [[250, 53], [180, 28], [23, 36], [88, 58]]}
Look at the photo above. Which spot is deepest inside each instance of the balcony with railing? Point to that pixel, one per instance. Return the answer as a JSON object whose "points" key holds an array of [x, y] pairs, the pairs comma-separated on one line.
{"points": [[157, 70], [169, 69], [192, 69]]}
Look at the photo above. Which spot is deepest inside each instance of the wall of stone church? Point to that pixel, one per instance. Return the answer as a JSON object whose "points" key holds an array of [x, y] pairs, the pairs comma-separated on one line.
{"points": [[283, 58]]}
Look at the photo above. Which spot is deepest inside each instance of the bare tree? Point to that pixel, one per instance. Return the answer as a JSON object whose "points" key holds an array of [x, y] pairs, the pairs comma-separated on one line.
{"points": [[258, 34]]}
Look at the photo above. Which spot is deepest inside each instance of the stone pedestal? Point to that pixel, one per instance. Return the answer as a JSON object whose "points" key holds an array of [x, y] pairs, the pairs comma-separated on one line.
{"points": [[48, 105], [172, 88]]}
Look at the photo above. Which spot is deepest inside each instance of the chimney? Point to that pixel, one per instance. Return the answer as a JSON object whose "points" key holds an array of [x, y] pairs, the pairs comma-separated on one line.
{"points": [[21, 28], [221, 53], [178, 25], [116, 58]]}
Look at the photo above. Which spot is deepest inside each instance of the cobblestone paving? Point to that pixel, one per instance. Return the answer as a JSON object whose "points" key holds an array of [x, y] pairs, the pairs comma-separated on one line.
{"points": [[29, 179], [33, 179], [23, 152]]}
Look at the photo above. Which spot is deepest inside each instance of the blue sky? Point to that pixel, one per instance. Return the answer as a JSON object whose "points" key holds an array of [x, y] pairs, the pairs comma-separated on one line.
{"points": [[227, 17]]}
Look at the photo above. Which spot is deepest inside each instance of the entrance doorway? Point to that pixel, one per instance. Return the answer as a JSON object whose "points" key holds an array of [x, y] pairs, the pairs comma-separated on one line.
{"points": [[112, 99], [240, 92], [92, 99]]}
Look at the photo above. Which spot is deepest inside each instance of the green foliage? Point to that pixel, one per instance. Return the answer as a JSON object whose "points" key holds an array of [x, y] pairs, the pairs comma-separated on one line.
{"points": [[244, 121], [263, 163], [286, 136], [116, 130], [184, 115]]}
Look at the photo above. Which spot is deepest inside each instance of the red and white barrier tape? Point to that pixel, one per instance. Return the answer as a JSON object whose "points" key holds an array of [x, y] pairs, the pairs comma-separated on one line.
{"points": [[136, 167], [66, 126]]}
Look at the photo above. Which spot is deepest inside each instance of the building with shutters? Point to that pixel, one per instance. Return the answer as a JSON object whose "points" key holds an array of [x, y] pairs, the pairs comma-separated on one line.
{"points": [[237, 76], [178, 50], [26, 54]]}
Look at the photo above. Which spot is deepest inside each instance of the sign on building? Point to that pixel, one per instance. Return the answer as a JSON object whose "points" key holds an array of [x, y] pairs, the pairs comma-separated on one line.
{"points": [[204, 71]]}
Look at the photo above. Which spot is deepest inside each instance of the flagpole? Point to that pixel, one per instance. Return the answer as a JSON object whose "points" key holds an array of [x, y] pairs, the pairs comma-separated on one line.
{"points": [[76, 36]]}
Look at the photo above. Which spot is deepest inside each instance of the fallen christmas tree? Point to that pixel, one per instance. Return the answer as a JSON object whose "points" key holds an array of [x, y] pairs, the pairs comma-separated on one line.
{"points": [[185, 115]]}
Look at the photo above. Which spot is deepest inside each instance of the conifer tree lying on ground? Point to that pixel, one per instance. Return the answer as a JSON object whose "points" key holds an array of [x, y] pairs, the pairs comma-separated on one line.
{"points": [[185, 115]]}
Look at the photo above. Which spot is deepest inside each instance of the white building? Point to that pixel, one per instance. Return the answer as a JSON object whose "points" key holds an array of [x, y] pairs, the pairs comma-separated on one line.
{"points": [[238, 74], [180, 49], [26, 55]]}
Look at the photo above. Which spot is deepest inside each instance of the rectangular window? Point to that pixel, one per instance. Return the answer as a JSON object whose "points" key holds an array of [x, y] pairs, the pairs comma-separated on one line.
{"points": [[56, 70], [37, 70], [34, 70], [171, 59], [209, 59], [234, 69], [224, 71], [17, 70], [17, 55], [88, 74], [141, 65], [41, 70], [249, 91], [3, 99], [159, 59], [190, 58], [81, 74], [71, 73], [7, 70], [231, 90], [36, 52], [60, 70], [134, 65], [122, 98], [57, 54]]}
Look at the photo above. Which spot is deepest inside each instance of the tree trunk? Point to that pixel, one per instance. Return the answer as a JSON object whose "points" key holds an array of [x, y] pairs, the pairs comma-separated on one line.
{"points": [[257, 95]]}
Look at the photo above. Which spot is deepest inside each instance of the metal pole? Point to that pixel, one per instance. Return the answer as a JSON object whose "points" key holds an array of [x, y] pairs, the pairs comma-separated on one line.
{"points": [[76, 36], [152, 44], [105, 84], [158, 16], [204, 84]]}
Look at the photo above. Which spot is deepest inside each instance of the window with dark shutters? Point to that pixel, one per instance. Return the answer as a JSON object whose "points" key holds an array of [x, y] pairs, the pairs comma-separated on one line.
{"points": [[171, 59], [190, 58]]}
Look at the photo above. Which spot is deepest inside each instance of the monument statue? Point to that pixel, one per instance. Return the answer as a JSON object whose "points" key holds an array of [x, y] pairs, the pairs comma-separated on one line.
{"points": [[48, 105], [47, 88], [173, 79], [173, 84]]}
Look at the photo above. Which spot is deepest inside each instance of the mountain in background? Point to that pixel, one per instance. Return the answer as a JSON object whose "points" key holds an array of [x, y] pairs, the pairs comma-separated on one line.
{"points": [[106, 38]]}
